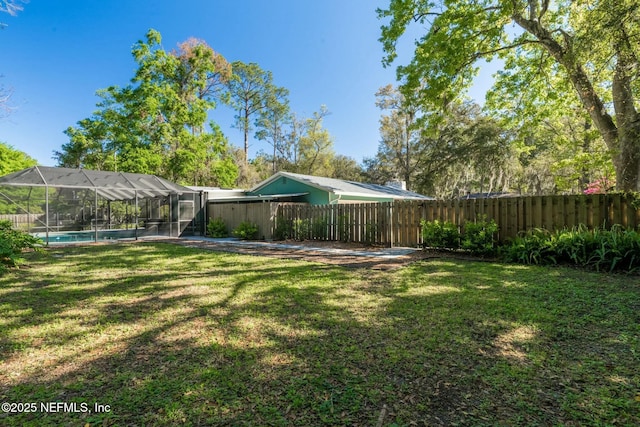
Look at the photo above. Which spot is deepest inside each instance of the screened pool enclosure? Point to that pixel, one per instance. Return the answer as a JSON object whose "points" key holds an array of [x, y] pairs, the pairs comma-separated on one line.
{"points": [[63, 205]]}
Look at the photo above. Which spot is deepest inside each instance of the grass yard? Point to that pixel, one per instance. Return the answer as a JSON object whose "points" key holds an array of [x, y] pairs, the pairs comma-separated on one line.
{"points": [[168, 335]]}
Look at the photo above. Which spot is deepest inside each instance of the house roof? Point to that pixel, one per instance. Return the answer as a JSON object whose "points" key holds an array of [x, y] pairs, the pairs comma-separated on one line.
{"points": [[109, 185], [344, 188], [494, 195], [259, 197]]}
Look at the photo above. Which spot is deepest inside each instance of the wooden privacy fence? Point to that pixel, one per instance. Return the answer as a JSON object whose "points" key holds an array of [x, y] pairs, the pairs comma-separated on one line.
{"points": [[22, 221], [398, 223], [362, 222], [261, 214]]}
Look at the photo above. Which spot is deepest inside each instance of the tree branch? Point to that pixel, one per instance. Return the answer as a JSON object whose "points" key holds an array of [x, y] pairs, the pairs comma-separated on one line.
{"points": [[491, 52]]}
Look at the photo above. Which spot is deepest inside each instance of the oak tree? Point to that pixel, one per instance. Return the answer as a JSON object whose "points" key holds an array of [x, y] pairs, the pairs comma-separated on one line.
{"points": [[592, 44]]}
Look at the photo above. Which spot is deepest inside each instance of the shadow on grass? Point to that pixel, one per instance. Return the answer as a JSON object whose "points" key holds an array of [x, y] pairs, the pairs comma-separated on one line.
{"points": [[168, 335]]}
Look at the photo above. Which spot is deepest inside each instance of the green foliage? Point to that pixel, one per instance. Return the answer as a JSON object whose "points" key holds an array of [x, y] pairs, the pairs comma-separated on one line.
{"points": [[302, 229], [217, 228], [320, 229], [307, 229], [12, 160], [272, 120], [13, 199], [440, 234], [343, 228], [156, 125], [315, 146], [370, 233], [283, 229], [532, 248], [455, 151], [13, 243], [544, 48], [305, 146], [498, 338], [480, 236], [246, 231], [603, 250]]}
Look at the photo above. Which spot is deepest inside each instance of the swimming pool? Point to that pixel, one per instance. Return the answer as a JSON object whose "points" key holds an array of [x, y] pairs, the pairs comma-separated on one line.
{"points": [[62, 237]]}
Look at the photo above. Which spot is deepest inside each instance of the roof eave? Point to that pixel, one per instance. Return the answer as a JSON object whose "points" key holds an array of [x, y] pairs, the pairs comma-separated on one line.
{"points": [[288, 175], [378, 195]]}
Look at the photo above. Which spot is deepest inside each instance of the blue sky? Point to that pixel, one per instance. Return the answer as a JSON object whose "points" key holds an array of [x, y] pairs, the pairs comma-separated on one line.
{"points": [[56, 54]]}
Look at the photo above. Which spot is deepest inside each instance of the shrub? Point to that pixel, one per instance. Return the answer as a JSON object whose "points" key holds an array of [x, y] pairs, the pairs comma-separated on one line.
{"points": [[344, 229], [301, 229], [531, 248], [13, 243], [438, 234], [602, 250], [370, 233], [246, 231], [217, 228], [616, 249], [284, 229], [320, 228], [479, 237]]}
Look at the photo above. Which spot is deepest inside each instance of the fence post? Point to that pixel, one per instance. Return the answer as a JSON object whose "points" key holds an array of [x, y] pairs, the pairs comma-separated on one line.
{"points": [[390, 224]]}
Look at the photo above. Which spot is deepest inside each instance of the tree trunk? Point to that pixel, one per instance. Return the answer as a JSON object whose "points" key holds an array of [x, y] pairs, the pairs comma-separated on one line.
{"points": [[246, 144], [627, 155], [585, 179], [622, 138]]}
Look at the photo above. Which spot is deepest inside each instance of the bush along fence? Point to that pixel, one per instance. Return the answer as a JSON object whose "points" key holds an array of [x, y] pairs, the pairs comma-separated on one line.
{"points": [[400, 223], [616, 249], [13, 243]]}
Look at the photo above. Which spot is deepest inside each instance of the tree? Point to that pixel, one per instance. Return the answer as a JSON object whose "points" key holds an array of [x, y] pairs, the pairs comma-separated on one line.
{"points": [[315, 146], [344, 167], [558, 148], [5, 96], [214, 163], [460, 150], [156, 124], [248, 91], [400, 145], [12, 7], [12, 160], [288, 152], [306, 147], [87, 146], [272, 120], [464, 152], [591, 44], [202, 73], [253, 171]]}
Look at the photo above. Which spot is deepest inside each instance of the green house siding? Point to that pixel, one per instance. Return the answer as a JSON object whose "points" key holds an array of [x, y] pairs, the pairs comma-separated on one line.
{"points": [[284, 185], [316, 195], [322, 191]]}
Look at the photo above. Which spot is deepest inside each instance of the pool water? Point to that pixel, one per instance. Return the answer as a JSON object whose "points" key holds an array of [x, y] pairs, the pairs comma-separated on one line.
{"points": [[88, 236]]}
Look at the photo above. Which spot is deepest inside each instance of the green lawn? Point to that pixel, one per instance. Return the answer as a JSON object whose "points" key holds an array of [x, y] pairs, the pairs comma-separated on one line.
{"points": [[167, 335]]}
